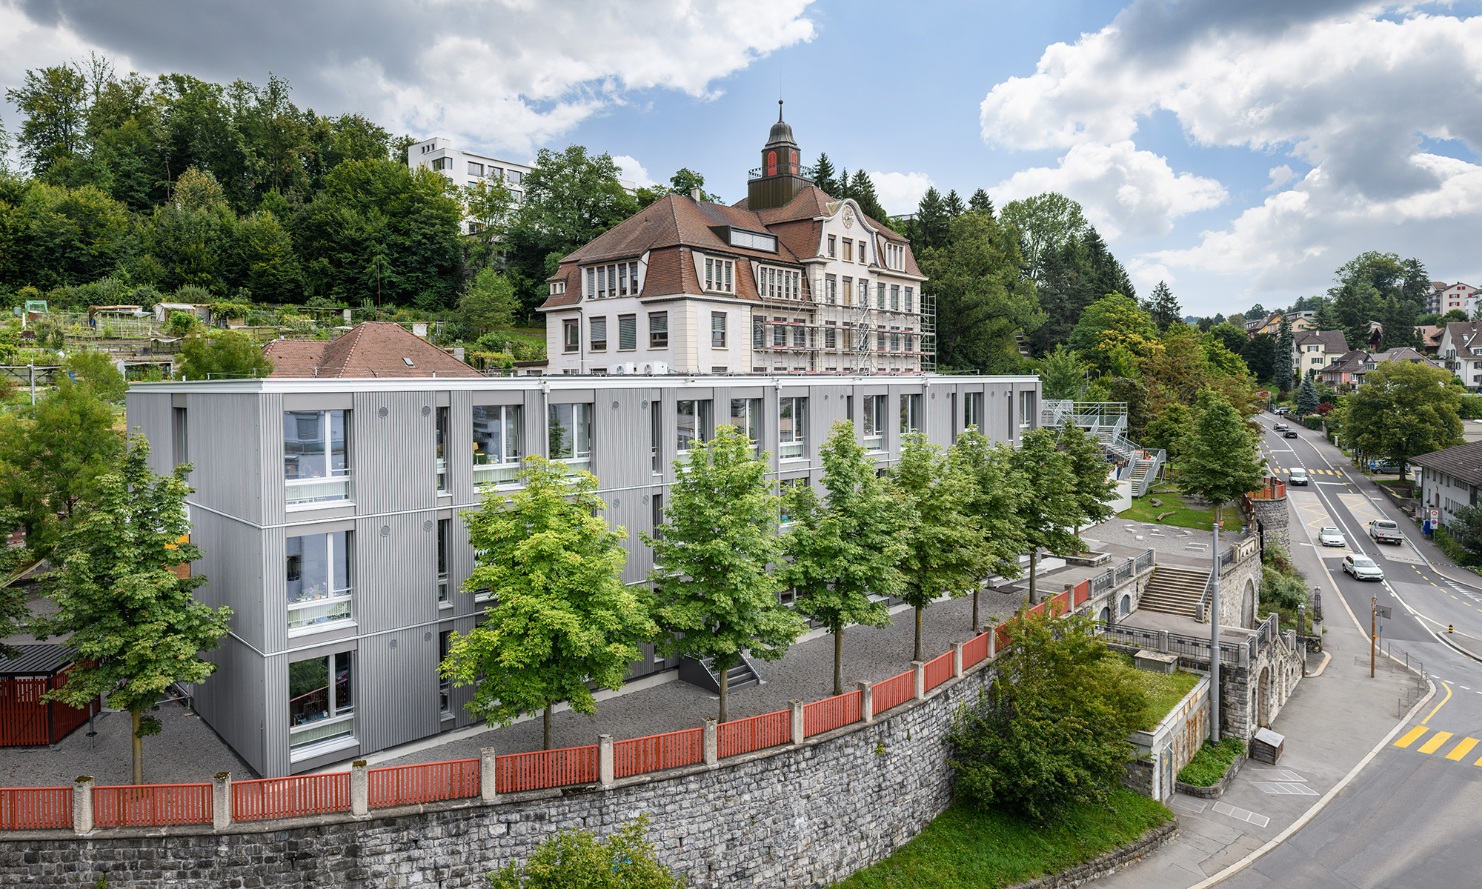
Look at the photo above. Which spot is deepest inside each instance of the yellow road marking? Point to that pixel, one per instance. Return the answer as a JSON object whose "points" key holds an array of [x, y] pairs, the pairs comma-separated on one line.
{"points": [[1435, 742], [1438, 706], [1409, 737], [1462, 749]]}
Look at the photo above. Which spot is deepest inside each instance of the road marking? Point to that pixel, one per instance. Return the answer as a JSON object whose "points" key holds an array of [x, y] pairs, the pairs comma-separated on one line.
{"points": [[1285, 787], [1435, 742], [1462, 749], [1245, 815], [1409, 737], [1438, 706]]}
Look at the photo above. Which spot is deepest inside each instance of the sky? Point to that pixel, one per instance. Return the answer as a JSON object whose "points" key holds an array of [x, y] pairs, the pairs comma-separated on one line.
{"points": [[1241, 152]]}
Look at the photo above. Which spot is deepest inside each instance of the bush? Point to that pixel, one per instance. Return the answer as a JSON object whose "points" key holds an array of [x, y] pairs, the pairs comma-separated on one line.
{"points": [[574, 858], [1284, 590], [1211, 762], [1454, 550]]}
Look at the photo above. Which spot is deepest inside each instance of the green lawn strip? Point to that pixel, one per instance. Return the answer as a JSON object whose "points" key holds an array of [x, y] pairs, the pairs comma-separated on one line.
{"points": [[967, 849], [1180, 515], [1164, 690], [1211, 762]]}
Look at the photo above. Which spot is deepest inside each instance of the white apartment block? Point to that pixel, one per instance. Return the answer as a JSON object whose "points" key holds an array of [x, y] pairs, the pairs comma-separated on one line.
{"points": [[467, 168]]}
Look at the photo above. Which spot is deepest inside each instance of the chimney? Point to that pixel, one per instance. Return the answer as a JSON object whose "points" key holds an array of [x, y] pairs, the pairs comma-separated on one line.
{"points": [[697, 195]]}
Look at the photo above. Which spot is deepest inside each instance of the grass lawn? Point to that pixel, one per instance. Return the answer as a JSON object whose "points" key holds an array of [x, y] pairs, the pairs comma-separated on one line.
{"points": [[967, 849], [1164, 690], [1180, 515]]}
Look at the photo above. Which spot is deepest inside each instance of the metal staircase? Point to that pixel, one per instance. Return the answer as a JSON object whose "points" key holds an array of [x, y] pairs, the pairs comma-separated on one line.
{"points": [[1106, 421], [702, 673]]}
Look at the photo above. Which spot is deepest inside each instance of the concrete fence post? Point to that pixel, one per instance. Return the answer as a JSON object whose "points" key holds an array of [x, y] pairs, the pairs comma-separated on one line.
{"points": [[711, 743], [866, 702], [797, 721], [1163, 640], [606, 768], [82, 805], [488, 773], [221, 801], [918, 668], [956, 660], [992, 643], [359, 788]]}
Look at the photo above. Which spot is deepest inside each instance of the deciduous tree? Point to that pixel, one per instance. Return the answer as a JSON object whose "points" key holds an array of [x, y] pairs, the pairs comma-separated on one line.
{"points": [[1050, 508], [560, 619], [223, 355], [125, 610], [715, 590], [1403, 409], [997, 493], [1219, 453]]}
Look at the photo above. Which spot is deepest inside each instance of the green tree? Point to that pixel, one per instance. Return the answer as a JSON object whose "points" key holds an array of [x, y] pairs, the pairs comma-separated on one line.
{"points": [[1050, 507], [1167, 430], [715, 591], [1063, 374], [980, 203], [996, 495], [1403, 409], [1220, 461], [932, 227], [1465, 528], [262, 259], [1307, 397], [685, 181], [1163, 306], [574, 859], [124, 610], [862, 189], [489, 303], [96, 371], [560, 618], [1114, 334], [1044, 223], [59, 451], [1092, 486], [54, 104], [14, 561], [1282, 370], [844, 548], [982, 298], [1051, 729], [945, 553], [223, 355], [823, 176]]}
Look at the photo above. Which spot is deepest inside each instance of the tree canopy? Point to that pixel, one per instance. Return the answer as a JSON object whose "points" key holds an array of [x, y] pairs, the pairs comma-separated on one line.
{"points": [[1220, 461], [1404, 409], [982, 300], [223, 355]]}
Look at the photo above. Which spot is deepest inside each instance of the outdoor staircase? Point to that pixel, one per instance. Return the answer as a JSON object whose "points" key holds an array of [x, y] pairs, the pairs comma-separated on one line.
{"points": [[702, 673], [1174, 591]]}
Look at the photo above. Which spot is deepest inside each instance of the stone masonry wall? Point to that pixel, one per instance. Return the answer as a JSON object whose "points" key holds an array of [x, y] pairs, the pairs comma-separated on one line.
{"points": [[801, 816]]}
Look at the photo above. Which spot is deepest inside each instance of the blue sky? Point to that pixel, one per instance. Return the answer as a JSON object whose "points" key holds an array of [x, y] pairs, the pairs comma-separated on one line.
{"points": [[1240, 151]]}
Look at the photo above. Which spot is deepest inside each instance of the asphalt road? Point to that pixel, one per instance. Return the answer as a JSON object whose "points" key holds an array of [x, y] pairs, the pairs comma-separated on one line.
{"points": [[1408, 818]]}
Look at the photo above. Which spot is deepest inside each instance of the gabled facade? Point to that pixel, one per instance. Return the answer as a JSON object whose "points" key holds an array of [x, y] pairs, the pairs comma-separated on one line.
{"points": [[789, 280], [1461, 352], [1450, 479], [1313, 350], [1404, 353], [1339, 375], [1445, 297]]}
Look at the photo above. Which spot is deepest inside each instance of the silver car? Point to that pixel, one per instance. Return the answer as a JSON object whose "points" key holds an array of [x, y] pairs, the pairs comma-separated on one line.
{"points": [[1362, 568], [1331, 537]]}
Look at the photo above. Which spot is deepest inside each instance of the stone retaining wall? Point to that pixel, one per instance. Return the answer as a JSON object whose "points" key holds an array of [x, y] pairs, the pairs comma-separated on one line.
{"points": [[1107, 864]]}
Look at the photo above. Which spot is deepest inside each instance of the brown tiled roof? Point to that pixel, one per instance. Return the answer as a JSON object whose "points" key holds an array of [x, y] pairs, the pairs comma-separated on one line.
{"points": [[1332, 341], [372, 349], [1463, 462], [1464, 335]]}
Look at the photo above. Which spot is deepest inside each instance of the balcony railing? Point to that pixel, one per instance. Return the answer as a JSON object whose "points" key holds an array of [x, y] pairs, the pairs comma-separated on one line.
{"points": [[322, 610], [495, 474], [305, 492]]}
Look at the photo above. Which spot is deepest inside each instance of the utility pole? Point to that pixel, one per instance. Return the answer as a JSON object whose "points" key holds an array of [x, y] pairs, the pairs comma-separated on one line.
{"points": [[1373, 631], [1214, 642]]}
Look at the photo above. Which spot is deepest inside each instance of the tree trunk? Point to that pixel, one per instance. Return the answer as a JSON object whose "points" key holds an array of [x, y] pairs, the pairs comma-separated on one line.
{"points": [[917, 655], [977, 591], [550, 710], [135, 717], [839, 661], [725, 688], [1033, 563]]}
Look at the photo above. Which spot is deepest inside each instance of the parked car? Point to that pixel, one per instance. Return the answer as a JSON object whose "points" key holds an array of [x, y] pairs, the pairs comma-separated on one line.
{"points": [[1282, 411], [1290, 433], [1280, 427], [1331, 537], [1385, 531], [1297, 476], [1362, 567], [1385, 466]]}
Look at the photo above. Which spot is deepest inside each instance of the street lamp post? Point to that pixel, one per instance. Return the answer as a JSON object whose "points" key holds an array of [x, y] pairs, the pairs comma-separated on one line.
{"points": [[1214, 642]]}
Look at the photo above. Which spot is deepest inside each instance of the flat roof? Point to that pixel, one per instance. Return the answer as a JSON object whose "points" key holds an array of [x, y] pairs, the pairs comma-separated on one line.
{"points": [[35, 660]]}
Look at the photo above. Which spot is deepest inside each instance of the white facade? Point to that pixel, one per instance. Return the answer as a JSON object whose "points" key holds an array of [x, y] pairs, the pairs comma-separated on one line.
{"points": [[467, 168], [1461, 353]]}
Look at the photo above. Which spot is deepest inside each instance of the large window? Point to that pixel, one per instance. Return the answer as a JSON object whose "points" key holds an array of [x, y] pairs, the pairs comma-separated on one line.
{"points": [[318, 572], [658, 330], [873, 424], [1026, 411], [497, 441], [895, 297], [718, 330], [598, 339], [443, 433], [792, 426], [692, 422], [972, 410], [719, 275], [615, 279], [627, 333], [910, 413], [746, 416], [570, 428], [315, 457], [779, 332], [831, 289], [321, 703], [570, 335]]}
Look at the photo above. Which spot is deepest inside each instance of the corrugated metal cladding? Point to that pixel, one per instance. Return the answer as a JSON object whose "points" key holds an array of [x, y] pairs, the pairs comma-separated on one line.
{"points": [[394, 440], [229, 443], [459, 448], [153, 411], [397, 700], [395, 571]]}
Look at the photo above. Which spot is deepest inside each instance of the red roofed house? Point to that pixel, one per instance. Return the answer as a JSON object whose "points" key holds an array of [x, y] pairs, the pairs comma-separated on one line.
{"points": [[373, 349], [788, 280]]}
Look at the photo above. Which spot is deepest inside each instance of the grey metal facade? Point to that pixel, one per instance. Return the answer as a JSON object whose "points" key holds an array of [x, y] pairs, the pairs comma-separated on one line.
{"points": [[233, 434]]}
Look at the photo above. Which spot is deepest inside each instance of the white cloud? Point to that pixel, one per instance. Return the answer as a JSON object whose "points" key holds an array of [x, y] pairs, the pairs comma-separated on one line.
{"points": [[1123, 191], [1280, 175], [900, 193], [631, 170]]}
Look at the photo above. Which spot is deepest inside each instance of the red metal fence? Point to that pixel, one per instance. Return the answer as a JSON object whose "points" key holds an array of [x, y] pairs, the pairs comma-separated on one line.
{"points": [[23, 717], [938, 670], [893, 692], [290, 797], [424, 783], [35, 808], [657, 752], [830, 713], [974, 651], [754, 733], [151, 805], [1082, 593], [514, 772]]}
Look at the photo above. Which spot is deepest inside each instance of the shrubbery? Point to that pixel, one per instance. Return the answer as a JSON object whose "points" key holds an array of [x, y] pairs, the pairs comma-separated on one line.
{"points": [[575, 858], [1211, 762]]}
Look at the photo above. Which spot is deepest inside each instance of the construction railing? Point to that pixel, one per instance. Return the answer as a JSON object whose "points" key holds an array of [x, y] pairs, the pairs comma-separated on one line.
{"points": [[362, 790]]}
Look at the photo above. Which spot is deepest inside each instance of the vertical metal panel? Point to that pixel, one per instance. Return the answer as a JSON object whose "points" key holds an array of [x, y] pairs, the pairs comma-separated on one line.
{"points": [[271, 630], [150, 414], [395, 571], [460, 446], [271, 492], [535, 430], [939, 405], [393, 451], [230, 445], [621, 432], [397, 696]]}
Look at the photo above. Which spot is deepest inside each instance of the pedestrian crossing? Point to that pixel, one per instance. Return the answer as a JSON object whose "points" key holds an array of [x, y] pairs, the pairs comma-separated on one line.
{"points": [[1423, 739], [1337, 472]]}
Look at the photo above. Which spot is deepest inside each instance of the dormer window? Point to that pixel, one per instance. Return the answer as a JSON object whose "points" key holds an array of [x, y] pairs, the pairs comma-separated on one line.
{"points": [[720, 275], [613, 279], [749, 240]]}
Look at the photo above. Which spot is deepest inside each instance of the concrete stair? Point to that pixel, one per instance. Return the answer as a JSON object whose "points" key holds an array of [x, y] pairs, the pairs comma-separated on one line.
{"points": [[1174, 591]]}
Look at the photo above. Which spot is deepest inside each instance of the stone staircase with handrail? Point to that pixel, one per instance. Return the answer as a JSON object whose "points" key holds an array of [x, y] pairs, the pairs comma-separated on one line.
{"points": [[1174, 591]]}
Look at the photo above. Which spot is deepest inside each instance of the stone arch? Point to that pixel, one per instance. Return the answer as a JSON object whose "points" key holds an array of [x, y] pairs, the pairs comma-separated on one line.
{"points": [[1248, 604], [1104, 616], [1124, 607], [1263, 698]]}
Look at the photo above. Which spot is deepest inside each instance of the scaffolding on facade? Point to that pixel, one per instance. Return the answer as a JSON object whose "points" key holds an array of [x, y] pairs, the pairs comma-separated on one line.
{"points": [[853, 337]]}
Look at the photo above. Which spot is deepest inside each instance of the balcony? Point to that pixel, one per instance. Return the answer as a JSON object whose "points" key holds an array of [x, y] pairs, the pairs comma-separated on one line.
{"points": [[301, 493], [495, 474]]}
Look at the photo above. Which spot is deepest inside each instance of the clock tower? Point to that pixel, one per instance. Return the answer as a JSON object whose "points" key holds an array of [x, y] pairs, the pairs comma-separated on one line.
{"points": [[781, 172]]}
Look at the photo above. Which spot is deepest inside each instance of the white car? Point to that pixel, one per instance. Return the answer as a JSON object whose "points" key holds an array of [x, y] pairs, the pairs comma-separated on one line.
{"points": [[1297, 475], [1362, 568], [1331, 537]]}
